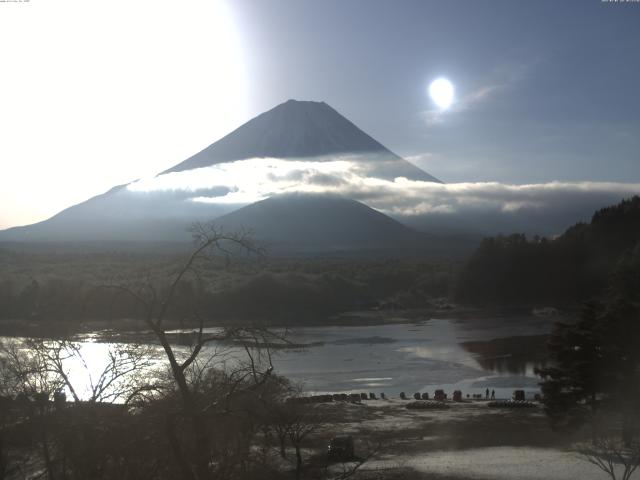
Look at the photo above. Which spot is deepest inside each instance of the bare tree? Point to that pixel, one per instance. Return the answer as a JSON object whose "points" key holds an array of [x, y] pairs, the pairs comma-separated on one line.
{"points": [[613, 456], [280, 422], [302, 423], [24, 374], [26, 378], [195, 460], [296, 423], [37, 371], [123, 372]]}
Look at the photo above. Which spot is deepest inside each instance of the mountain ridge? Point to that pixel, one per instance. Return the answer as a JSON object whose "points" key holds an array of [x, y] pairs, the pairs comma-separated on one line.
{"points": [[298, 129], [293, 130]]}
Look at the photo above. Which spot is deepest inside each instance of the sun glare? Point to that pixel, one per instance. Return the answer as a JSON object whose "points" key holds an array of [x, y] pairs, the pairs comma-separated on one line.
{"points": [[150, 82], [442, 93]]}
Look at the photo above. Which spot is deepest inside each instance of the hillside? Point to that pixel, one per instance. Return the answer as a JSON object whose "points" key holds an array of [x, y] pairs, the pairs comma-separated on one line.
{"points": [[325, 223], [573, 267]]}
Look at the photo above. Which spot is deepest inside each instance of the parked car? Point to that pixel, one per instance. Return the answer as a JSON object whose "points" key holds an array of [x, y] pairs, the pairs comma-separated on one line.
{"points": [[518, 396], [341, 448]]}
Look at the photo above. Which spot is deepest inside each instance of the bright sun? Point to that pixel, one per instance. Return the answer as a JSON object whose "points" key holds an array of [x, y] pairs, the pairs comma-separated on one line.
{"points": [[441, 92]]}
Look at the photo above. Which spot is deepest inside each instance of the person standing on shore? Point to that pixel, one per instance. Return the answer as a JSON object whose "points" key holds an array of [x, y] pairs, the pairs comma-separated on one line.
{"points": [[486, 394], [493, 394]]}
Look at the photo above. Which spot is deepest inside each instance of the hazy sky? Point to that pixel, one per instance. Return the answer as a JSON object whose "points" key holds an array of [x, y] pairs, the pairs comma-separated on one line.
{"points": [[99, 93], [546, 90]]}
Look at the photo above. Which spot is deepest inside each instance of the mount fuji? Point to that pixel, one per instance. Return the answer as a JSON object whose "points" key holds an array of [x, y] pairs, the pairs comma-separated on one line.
{"points": [[294, 131]]}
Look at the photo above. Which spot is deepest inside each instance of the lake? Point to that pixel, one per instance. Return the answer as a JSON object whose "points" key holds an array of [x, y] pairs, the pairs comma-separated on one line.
{"points": [[418, 356], [412, 357]]}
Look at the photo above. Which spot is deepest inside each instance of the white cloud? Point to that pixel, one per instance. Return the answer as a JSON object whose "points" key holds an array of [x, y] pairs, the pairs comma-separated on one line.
{"points": [[254, 179], [247, 181]]}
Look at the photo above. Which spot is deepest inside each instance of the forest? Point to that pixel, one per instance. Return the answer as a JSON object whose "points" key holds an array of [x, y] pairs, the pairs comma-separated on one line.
{"points": [[569, 269], [62, 292]]}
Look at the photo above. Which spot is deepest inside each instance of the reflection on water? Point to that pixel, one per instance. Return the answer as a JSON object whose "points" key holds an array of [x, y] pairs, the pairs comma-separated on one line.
{"points": [[417, 357], [386, 358], [515, 355], [509, 365]]}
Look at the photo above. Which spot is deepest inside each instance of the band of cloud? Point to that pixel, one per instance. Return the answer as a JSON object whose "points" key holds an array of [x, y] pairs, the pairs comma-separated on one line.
{"points": [[251, 180]]}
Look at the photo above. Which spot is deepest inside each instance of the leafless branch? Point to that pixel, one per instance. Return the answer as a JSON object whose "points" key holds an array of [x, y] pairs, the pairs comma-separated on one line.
{"points": [[611, 454]]}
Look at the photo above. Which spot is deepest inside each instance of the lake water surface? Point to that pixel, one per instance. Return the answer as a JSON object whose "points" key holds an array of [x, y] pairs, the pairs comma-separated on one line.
{"points": [[400, 357], [411, 357]]}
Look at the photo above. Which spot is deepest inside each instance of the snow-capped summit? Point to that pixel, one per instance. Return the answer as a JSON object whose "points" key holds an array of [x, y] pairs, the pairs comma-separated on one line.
{"points": [[302, 129]]}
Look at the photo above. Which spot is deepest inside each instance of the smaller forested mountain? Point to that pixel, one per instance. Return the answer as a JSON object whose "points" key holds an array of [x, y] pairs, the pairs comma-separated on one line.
{"points": [[573, 267], [326, 223]]}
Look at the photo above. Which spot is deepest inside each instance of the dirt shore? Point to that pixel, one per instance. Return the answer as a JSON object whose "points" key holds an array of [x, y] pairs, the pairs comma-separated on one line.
{"points": [[467, 440]]}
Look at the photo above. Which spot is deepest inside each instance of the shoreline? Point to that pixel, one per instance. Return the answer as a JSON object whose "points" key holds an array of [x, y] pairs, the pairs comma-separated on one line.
{"points": [[460, 442], [362, 318]]}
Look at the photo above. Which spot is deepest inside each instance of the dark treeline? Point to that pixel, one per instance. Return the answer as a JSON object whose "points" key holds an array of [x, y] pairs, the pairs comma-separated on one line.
{"points": [[573, 267], [61, 291], [594, 374]]}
